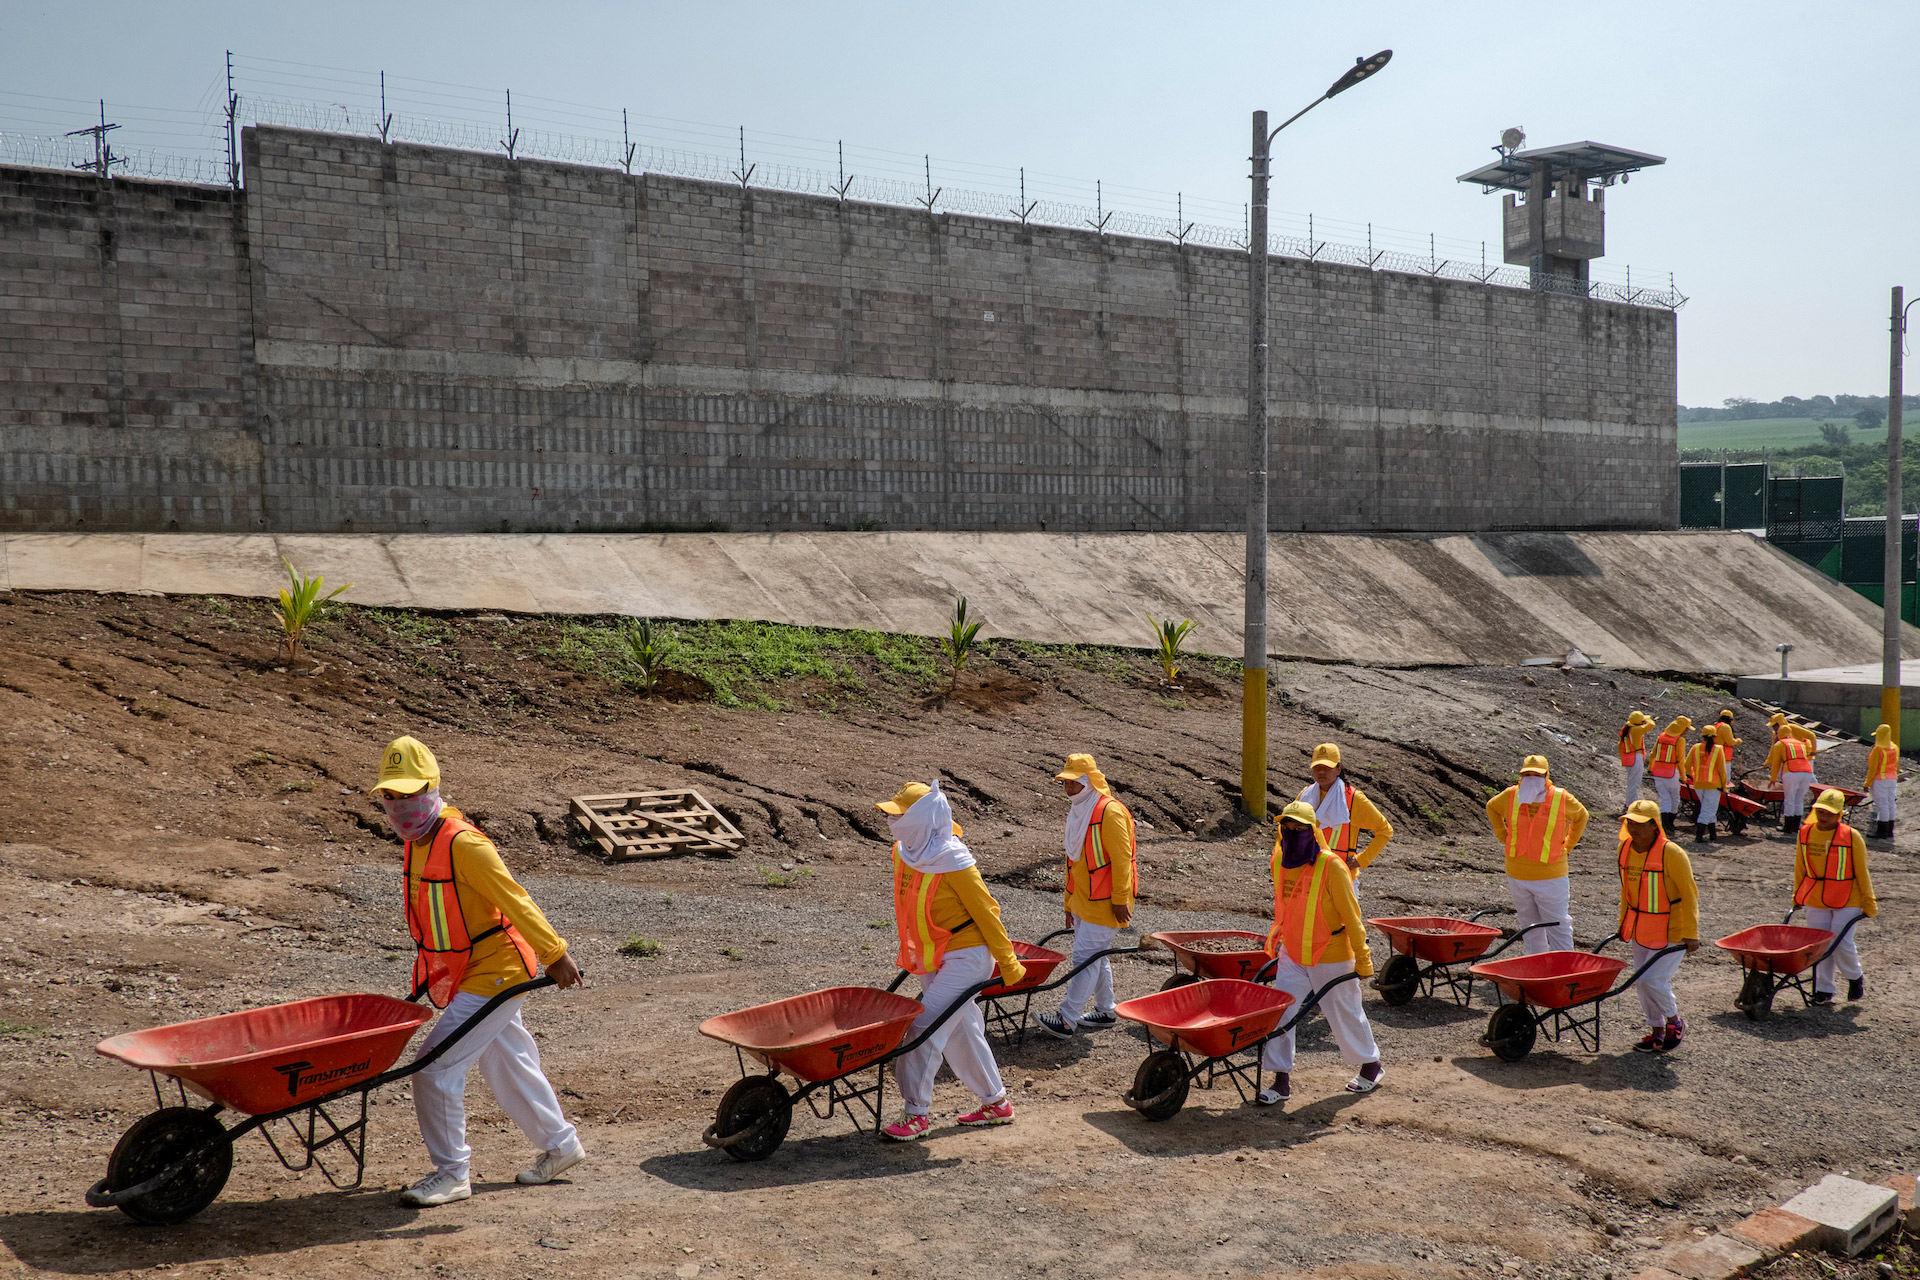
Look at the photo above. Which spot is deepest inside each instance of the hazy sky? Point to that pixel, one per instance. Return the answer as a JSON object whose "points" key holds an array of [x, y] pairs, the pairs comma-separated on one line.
{"points": [[1787, 209]]}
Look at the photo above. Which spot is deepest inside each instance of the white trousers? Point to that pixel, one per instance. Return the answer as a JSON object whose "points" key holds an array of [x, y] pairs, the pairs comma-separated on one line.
{"points": [[1655, 987], [1709, 806], [961, 1040], [1793, 794], [1537, 900], [1668, 789], [1846, 956], [1633, 773], [1883, 799], [1096, 980], [509, 1062], [1342, 1007]]}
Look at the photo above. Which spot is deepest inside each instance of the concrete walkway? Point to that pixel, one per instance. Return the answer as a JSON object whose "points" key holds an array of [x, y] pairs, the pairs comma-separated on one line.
{"points": [[1627, 599]]}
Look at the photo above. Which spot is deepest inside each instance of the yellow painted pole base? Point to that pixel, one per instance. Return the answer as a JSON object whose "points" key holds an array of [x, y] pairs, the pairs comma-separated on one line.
{"points": [[1253, 740], [1890, 712]]}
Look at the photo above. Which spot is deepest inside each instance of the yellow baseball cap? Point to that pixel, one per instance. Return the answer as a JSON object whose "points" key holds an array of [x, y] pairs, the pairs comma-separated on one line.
{"points": [[904, 798], [1326, 753], [1534, 764], [1639, 717], [1078, 766], [1643, 811], [407, 766], [1301, 811], [1832, 801], [1775, 720]]}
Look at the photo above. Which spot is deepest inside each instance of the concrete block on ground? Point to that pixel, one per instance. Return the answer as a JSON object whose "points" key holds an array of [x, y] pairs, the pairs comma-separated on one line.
{"points": [[1851, 1214], [1903, 1186], [1714, 1257], [1775, 1231]]}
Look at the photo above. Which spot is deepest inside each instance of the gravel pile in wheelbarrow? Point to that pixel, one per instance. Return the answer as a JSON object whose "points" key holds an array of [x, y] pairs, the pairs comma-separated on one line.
{"points": [[1219, 946]]}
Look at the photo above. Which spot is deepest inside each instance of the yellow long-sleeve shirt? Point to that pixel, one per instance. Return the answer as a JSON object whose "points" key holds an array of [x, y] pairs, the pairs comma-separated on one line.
{"points": [[963, 897], [1816, 849], [1364, 815], [1777, 760], [1637, 736], [1683, 895], [1705, 768], [1349, 932], [1574, 820], [1116, 842], [488, 892]]}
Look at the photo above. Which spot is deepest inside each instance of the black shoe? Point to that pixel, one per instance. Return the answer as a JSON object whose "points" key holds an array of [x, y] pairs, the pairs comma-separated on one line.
{"points": [[1699, 833], [1883, 830], [1822, 997], [1890, 823], [1856, 988], [1666, 824], [1713, 833], [1097, 1020], [1787, 824]]}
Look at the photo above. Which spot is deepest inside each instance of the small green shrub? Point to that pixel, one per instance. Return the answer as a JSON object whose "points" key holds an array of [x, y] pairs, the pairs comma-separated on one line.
{"points": [[783, 879], [639, 944], [300, 606], [1169, 637], [958, 643], [732, 953], [298, 784], [644, 652]]}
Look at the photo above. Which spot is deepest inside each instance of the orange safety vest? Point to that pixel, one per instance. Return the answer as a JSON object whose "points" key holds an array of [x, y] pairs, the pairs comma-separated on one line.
{"points": [[1095, 863], [1340, 838], [1648, 907], [1301, 922], [442, 947], [1702, 775], [1888, 768], [1835, 878], [923, 944], [1628, 753], [1546, 822], [1799, 757], [1665, 761]]}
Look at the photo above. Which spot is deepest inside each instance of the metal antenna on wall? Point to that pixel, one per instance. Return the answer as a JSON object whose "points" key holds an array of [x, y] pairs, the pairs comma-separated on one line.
{"points": [[233, 111], [745, 171], [1100, 224], [626, 158], [932, 194], [1026, 209], [1180, 224], [846, 183], [386, 120], [513, 135], [103, 157]]}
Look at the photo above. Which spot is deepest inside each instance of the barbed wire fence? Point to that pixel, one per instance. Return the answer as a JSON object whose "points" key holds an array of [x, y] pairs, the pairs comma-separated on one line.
{"points": [[431, 113]]}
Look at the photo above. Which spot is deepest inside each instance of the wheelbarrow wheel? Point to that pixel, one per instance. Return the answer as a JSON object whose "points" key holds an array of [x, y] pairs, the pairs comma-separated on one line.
{"points": [[1736, 823], [759, 1108], [1399, 982], [162, 1139], [1159, 1086], [1511, 1032], [1756, 996], [1180, 979]]}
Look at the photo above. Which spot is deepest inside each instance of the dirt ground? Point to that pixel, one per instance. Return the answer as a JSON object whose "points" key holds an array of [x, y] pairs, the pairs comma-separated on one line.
{"points": [[186, 832]]}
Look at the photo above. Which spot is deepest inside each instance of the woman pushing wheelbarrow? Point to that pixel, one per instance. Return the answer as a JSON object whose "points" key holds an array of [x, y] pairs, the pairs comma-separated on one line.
{"points": [[1659, 906], [951, 935]]}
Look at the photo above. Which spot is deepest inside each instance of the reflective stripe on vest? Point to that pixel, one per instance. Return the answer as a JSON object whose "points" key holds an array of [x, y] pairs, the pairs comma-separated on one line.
{"points": [[1835, 877], [1706, 768], [1665, 761], [1340, 838], [1298, 921], [1627, 753], [442, 947], [1799, 759], [1888, 767], [923, 944], [1551, 806], [1646, 920], [1094, 862]]}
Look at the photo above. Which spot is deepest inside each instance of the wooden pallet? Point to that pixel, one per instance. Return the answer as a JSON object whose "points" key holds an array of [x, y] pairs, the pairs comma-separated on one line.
{"points": [[655, 824]]}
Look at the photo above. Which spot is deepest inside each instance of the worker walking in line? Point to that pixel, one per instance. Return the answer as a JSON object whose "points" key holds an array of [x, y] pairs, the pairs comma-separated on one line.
{"points": [[1831, 882], [1883, 772], [1344, 812], [475, 933], [1633, 754], [950, 935], [1099, 895], [1317, 936], [1669, 752], [1659, 907], [1789, 767], [1706, 771], [1538, 824]]}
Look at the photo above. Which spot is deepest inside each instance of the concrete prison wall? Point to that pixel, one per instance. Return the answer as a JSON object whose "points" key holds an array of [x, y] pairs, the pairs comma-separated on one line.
{"points": [[403, 338]]}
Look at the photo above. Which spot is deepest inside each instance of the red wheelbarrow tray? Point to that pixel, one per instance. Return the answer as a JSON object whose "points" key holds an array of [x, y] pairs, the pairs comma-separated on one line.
{"points": [[1776, 948], [1215, 964], [1212, 1018], [1552, 979], [1775, 795], [265, 1060], [1463, 939], [1745, 806], [1040, 964], [819, 1035]]}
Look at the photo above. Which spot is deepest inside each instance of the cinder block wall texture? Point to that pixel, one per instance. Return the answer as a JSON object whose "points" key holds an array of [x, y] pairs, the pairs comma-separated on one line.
{"points": [[377, 337]]}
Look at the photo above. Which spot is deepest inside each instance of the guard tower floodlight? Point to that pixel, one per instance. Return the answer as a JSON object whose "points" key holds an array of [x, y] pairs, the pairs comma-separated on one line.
{"points": [[1555, 213]]}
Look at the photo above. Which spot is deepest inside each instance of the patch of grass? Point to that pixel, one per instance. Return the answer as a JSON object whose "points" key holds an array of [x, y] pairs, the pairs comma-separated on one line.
{"points": [[779, 879], [1173, 704], [391, 955], [732, 953], [1489, 792], [639, 944], [1770, 433], [1436, 813], [298, 784], [218, 607], [876, 924], [410, 628], [259, 757], [21, 1029]]}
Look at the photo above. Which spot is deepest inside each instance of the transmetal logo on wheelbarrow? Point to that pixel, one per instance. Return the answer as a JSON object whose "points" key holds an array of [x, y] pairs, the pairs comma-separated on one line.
{"points": [[336, 1076]]}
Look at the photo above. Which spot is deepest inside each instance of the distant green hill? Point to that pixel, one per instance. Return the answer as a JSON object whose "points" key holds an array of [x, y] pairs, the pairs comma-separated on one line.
{"points": [[1767, 433]]}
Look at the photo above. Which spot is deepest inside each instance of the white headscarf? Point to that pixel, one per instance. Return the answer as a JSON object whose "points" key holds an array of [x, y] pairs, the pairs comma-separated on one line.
{"points": [[925, 833], [1330, 809], [1533, 788], [1080, 816]]}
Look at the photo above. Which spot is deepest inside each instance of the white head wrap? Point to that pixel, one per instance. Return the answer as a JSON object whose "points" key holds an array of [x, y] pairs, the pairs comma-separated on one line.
{"points": [[925, 833]]}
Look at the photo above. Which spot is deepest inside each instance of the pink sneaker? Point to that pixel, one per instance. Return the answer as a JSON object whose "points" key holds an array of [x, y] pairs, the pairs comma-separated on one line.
{"points": [[1000, 1112], [907, 1128]]}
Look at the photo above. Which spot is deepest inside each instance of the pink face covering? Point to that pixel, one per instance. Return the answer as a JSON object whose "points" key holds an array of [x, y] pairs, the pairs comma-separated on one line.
{"points": [[413, 816]]}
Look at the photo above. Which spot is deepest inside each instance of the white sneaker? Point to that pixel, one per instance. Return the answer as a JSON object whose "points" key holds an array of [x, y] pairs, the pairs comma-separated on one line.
{"points": [[436, 1188], [552, 1164]]}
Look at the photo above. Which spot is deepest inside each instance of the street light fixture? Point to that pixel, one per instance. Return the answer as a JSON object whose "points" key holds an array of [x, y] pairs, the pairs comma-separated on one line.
{"points": [[1253, 688]]}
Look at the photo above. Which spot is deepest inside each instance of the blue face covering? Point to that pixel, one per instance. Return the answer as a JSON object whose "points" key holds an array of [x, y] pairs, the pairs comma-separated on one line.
{"points": [[1297, 848]]}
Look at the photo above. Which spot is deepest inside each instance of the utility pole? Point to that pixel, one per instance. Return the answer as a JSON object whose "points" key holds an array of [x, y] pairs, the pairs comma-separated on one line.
{"points": [[1890, 581], [103, 157]]}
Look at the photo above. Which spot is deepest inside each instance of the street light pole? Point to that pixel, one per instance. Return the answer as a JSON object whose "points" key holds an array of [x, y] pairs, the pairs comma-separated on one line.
{"points": [[1890, 581], [1253, 675]]}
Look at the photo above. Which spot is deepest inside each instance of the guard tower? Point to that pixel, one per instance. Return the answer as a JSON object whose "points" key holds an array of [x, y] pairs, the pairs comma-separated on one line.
{"points": [[1555, 210]]}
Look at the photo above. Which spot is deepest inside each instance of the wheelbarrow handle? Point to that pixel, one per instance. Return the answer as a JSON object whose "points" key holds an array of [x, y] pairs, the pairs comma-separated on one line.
{"points": [[478, 1016], [1788, 918], [1057, 933], [1312, 1002], [1652, 960], [965, 1000], [898, 978], [1069, 976], [1605, 943], [1514, 937], [1839, 938], [1490, 911]]}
